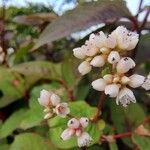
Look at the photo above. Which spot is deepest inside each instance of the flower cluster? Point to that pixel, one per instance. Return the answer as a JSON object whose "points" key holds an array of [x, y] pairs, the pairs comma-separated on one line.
{"points": [[101, 49], [52, 104], [76, 128]]}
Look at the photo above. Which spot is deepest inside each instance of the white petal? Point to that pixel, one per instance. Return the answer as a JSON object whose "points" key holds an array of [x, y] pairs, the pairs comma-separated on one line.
{"points": [[125, 64], [125, 80], [44, 98], [84, 122], [67, 133], [84, 139], [90, 49], [55, 99], [112, 90], [108, 78], [146, 84], [62, 110], [99, 84], [84, 67], [79, 53], [98, 61], [113, 57], [125, 97], [73, 123], [136, 80], [105, 50]]}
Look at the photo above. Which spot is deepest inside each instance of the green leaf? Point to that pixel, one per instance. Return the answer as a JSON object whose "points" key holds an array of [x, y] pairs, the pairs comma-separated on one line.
{"points": [[144, 44], [30, 141], [21, 52], [11, 86], [142, 142], [68, 72], [82, 17], [12, 123], [58, 125], [127, 118]]}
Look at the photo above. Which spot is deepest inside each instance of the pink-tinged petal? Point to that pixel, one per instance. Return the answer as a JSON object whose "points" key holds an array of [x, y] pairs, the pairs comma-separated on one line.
{"points": [[67, 133], [125, 64], [113, 57], [44, 98], [55, 99], [84, 121], [62, 110], [73, 123], [84, 139], [98, 61], [79, 52]]}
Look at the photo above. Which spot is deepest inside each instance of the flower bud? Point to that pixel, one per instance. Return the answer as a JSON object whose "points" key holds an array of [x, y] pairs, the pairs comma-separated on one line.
{"points": [[146, 84], [136, 80], [84, 122], [73, 123], [84, 67], [79, 52], [55, 99], [48, 115], [125, 64], [108, 78], [125, 80], [98, 61], [99, 84], [113, 57], [104, 50], [44, 98], [112, 90]]}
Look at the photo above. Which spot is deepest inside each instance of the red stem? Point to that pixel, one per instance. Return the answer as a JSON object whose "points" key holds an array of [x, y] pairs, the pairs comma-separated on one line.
{"points": [[70, 92], [147, 120], [139, 10], [99, 106], [122, 135]]}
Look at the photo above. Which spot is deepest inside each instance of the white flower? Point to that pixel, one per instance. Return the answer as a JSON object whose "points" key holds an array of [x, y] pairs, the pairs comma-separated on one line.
{"points": [[75, 127], [62, 110], [146, 84], [136, 80], [112, 90], [84, 139], [84, 122], [90, 48], [125, 80], [125, 96], [55, 99], [113, 57], [125, 64], [73, 123], [84, 67], [125, 39], [44, 98], [67, 133], [98, 61], [99, 84], [99, 39], [79, 52]]}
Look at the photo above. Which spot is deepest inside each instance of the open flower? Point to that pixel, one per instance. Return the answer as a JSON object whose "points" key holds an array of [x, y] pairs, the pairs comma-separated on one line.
{"points": [[52, 104], [125, 39], [62, 109], [76, 128], [125, 96]]}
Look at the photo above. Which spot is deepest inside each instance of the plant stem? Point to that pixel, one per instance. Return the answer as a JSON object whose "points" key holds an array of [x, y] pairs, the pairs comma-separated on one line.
{"points": [[145, 19], [99, 106], [70, 92], [139, 9], [146, 120], [122, 135]]}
